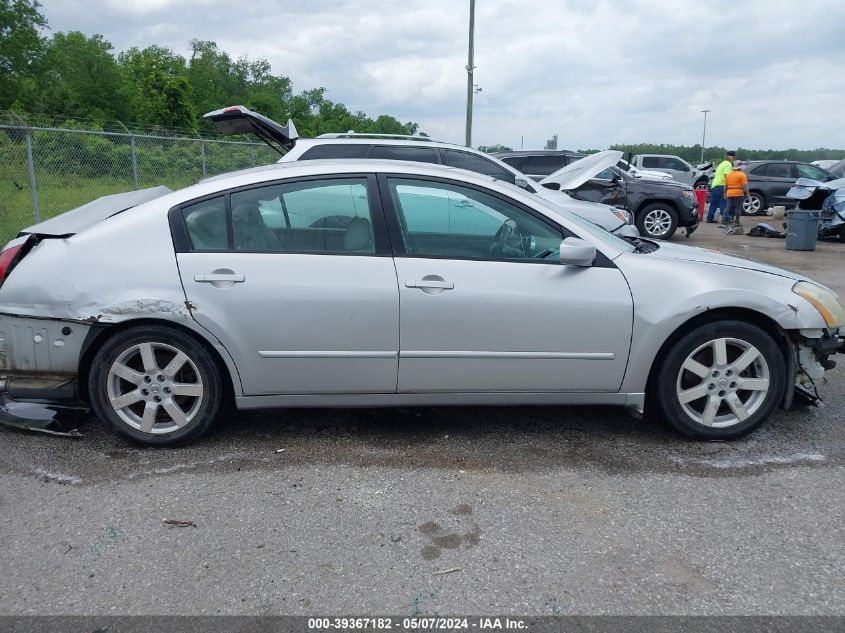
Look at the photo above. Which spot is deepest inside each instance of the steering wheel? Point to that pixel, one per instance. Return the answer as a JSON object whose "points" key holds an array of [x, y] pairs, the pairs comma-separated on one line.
{"points": [[499, 244]]}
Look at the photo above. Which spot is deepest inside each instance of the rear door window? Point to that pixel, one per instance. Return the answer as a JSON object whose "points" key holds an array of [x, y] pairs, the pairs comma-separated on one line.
{"points": [[651, 162], [779, 170], [399, 152], [336, 150], [321, 216]]}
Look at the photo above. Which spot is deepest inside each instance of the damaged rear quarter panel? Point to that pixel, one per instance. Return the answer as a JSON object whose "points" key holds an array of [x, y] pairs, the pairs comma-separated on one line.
{"points": [[121, 269]]}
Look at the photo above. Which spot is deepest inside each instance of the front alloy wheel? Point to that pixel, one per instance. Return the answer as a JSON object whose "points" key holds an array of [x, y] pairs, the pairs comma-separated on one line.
{"points": [[156, 385], [719, 381], [658, 221], [718, 392]]}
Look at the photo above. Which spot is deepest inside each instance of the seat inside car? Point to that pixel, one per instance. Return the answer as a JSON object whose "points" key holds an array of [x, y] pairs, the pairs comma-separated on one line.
{"points": [[207, 231], [358, 236], [251, 231]]}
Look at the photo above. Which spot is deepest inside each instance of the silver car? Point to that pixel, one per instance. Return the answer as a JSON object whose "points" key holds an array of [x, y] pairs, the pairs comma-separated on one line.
{"points": [[387, 283]]}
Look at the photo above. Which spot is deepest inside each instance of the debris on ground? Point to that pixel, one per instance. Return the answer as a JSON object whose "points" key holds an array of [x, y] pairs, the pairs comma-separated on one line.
{"points": [[178, 523], [451, 570]]}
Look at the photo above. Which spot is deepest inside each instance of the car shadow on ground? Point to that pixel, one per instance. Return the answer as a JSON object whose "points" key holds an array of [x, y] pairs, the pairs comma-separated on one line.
{"points": [[604, 440]]}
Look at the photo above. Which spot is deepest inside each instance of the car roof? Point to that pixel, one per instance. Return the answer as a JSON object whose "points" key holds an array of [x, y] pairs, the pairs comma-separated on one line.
{"points": [[535, 152], [294, 169], [379, 140], [774, 160]]}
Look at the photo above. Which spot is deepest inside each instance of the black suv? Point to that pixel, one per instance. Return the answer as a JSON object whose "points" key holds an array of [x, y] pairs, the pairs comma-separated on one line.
{"points": [[769, 180], [659, 207], [538, 164]]}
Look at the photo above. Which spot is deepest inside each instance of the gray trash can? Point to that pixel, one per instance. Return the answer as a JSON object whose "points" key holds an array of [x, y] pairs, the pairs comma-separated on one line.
{"points": [[802, 228]]}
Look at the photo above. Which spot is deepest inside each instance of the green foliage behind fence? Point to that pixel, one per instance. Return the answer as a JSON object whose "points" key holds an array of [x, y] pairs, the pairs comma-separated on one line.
{"points": [[74, 166]]}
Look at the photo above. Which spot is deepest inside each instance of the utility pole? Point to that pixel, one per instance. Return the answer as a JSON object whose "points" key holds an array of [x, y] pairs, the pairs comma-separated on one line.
{"points": [[704, 134], [470, 68]]}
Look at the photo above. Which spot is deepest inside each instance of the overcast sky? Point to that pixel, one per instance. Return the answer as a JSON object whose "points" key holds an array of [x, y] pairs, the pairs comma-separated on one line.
{"points": [[595, 72]]}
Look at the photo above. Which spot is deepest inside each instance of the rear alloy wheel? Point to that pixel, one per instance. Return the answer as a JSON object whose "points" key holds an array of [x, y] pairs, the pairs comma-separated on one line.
{"points": [[156, 385], [720, 381], [755, 204], [658, 221]]}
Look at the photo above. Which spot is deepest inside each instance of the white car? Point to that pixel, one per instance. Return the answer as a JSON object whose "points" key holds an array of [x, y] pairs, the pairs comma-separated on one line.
{"points": [[239, 119]]}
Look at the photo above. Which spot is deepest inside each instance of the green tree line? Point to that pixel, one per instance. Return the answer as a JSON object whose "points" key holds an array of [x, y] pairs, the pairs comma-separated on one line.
{"points": [[692, 154], [77, 76]]}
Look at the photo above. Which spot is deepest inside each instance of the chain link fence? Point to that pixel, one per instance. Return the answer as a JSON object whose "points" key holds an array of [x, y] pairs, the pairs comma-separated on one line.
{"points": [[47, 167]]}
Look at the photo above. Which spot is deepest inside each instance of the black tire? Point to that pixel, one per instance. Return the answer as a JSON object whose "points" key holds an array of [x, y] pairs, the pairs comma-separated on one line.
{"points": [[842, 234], [701, 182], [759, 200], [668, 380], [647, 214], [199, 373]]}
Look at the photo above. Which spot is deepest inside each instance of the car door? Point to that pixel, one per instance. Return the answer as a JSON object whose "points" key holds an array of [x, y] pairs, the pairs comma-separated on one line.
{"points": [[487, 306], [774, 180], [678, 169], [296, 280]]}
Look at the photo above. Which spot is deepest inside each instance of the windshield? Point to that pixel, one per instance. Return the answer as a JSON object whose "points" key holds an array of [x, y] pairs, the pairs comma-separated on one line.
{"points": [[595, 231]]}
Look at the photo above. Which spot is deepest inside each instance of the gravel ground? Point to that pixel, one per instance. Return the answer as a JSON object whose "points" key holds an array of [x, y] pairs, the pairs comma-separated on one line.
{"points": [[538, 511]]}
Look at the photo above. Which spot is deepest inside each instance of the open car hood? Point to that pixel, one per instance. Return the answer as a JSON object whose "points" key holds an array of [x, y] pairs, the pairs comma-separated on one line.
{"points": [[241, 120], [81, 218], [576, 174]]}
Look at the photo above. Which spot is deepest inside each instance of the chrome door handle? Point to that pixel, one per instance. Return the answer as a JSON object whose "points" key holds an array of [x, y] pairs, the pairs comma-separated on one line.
{"points": [[430, 283], [212, 277]]}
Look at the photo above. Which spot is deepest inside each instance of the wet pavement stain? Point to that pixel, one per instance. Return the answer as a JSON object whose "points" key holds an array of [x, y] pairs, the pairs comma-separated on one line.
{"points": [[442, 540], [480, 439]]}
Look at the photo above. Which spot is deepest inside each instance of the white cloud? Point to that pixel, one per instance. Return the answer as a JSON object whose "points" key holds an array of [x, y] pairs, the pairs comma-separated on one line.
{"points": [[597, 73]]}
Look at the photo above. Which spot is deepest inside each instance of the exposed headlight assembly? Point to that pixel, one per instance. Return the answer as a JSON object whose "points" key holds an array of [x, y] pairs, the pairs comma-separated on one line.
{"points": [[824, 301], [623, 215]]}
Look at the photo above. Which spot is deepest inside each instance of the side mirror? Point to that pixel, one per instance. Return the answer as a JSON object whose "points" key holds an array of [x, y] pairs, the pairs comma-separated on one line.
{"points": [[521, 182], [577, 252], [552, 185]]}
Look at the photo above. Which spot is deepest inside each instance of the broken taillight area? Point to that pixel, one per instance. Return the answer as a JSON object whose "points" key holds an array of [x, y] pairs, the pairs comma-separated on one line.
{"points": [[13, 253]]}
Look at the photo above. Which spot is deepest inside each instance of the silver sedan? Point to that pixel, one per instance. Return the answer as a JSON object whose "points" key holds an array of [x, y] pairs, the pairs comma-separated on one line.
{"points": [[379, 283]]}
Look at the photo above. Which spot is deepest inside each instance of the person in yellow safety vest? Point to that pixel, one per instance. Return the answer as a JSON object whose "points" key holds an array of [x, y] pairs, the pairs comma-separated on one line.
{"points": [[717, 187]]}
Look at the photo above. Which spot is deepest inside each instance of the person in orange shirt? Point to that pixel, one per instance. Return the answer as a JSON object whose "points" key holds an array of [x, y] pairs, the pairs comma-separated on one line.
{"points": [[736, 190]]}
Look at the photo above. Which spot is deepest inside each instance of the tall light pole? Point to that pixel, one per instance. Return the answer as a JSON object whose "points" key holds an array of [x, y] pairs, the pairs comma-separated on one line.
{"points": [[704, 134], [470, 67]]}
